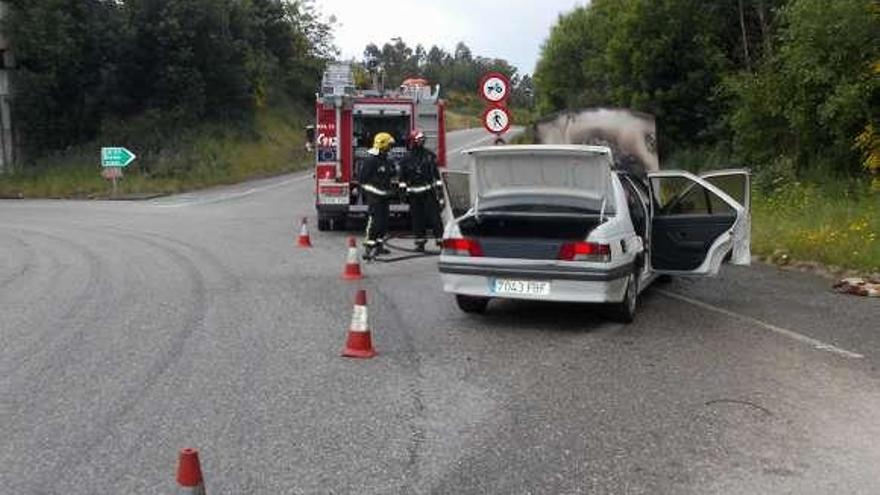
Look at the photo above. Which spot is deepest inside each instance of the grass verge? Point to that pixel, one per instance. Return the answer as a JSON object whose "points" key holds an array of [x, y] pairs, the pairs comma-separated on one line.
{"points": [[207, 155], [836, 224]]}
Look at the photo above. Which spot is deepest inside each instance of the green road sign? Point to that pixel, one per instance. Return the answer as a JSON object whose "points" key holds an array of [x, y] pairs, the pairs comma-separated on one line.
{"points": [[116, 157]]}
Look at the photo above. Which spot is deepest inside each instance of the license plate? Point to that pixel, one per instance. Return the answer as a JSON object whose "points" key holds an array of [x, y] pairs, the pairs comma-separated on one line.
{"points": [[519, 287], [333, 200]]}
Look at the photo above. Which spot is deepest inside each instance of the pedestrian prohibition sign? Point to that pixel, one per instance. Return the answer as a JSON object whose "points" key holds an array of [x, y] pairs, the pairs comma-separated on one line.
{"points": [[496, 120]]}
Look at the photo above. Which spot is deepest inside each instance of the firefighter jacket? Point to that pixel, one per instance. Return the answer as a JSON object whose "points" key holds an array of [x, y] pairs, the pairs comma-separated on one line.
{"points": [[419, 173], [376, 175]]}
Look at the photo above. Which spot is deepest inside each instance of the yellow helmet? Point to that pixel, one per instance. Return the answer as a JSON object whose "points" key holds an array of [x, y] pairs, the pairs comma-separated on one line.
{"points": [[383, 141]]}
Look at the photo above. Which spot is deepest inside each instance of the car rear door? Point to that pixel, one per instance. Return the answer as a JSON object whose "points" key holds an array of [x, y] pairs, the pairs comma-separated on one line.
{"points": [[694, 224]]}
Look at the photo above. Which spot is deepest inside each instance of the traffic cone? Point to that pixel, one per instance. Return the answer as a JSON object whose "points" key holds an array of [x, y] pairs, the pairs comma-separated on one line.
{"points": [[189, 473], [304, 240], [352, 269], [359, 343]]}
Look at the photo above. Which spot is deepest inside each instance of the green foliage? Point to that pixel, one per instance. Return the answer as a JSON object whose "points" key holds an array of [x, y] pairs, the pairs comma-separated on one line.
{"points": [[835, 223], [812, 98], [165, 65], [663, 57], [64, 69]]}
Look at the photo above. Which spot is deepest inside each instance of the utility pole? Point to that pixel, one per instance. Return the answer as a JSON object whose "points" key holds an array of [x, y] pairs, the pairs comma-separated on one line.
{"points": [[7, 144]]}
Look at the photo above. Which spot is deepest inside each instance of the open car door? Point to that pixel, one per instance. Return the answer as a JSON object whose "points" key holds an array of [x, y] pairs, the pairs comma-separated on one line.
{"points": [[737, 184], [457, 194], [694, 224]]}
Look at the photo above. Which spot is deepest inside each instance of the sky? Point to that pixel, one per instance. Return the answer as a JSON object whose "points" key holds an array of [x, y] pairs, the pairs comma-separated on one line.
{"points": [[510, 29]]}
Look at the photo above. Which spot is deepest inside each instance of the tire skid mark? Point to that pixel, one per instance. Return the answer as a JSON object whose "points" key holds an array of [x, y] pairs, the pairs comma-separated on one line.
{"points": [[416, 419], [88, 293], [173, 352], [26, 266]]}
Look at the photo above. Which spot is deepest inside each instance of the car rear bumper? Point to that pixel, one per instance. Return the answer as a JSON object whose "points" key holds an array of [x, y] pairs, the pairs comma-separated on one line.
{"points": [[566, 284]]}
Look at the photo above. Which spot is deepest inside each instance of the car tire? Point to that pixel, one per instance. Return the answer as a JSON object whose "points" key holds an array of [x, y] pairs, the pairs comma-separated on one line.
{"points": [[323, 224], [472, 304], [625, 311]]}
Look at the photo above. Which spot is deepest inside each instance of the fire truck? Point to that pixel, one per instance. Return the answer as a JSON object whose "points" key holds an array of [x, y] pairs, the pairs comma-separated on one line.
{"points": [[346, 119]]}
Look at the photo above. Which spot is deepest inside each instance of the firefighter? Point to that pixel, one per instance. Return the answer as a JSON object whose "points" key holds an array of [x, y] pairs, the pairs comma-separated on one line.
{"points": [[375, 180], [420, 178]]}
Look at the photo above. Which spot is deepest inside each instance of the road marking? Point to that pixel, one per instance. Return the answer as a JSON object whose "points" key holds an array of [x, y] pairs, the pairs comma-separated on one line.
{"points": [[816, 344], [227, 197]]}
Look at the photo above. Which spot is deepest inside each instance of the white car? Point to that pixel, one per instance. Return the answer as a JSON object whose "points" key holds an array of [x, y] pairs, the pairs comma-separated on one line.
{"points": [[559, 223]]}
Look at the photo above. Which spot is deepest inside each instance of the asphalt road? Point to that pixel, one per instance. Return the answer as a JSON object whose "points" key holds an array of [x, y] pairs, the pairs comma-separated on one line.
{"points": [[130, 330]]}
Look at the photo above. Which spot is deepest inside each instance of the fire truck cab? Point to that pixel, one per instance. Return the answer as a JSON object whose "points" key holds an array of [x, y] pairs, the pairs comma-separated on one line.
{"points": [[346, 121]]}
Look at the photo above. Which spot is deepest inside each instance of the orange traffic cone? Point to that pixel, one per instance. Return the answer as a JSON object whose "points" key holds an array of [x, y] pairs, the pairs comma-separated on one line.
{"points": [[304, 240], [359, 343], [352, 269], [189, 473]]}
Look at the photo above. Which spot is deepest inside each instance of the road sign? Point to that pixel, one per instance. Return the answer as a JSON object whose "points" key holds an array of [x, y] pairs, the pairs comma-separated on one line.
{"points": [[495, 87], [496, 120], [116, 157]]}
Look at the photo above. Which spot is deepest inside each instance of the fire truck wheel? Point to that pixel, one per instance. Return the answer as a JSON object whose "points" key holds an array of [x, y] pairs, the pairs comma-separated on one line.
{"points": [[324, 224]]}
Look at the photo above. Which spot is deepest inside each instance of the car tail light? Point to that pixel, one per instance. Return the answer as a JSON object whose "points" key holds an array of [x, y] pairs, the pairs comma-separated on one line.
{"points": [[585, 251], [325, 172], [462, 247]]}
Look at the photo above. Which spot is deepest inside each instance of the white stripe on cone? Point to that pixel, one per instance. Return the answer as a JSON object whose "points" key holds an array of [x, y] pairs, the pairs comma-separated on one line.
{"points": [[359, 319], [352, 257]]}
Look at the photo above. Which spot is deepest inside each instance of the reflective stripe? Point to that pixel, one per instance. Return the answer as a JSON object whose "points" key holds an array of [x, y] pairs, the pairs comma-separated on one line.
{"points": [[438, 183], [367, 241], [359, 319], [352, 256], [374, 189], [419, 189]]}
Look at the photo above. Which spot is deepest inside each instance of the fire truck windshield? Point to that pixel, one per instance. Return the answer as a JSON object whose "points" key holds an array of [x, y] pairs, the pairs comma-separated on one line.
{"points": [[367, 126]]}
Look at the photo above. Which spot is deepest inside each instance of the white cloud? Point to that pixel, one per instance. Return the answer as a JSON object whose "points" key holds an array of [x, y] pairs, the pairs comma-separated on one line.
{"points": [[513, 30]]}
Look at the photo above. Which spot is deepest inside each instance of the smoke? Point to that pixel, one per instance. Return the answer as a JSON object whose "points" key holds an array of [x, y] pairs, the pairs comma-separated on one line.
{"points": [[631, 136]]}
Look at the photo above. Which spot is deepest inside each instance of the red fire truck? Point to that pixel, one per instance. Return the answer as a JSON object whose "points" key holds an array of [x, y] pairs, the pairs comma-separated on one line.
{"points": [[346, 121]]}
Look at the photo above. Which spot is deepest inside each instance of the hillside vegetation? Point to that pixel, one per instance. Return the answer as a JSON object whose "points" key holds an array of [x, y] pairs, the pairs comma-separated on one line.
{"points": [[203, 91]]}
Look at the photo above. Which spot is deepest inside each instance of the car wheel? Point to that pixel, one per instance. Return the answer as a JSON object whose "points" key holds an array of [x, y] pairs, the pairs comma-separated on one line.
{"points": [[472, 304], [323, 224], [625, 311]]}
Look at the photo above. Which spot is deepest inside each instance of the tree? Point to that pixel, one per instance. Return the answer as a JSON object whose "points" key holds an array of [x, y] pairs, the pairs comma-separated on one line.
{"points": [[659, 56], [88, 62], [64, 52], [817, 92]]}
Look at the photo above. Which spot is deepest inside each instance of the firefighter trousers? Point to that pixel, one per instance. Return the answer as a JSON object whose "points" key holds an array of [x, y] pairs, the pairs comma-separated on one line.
{"points": [[377, 222], [425, 214]]}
